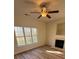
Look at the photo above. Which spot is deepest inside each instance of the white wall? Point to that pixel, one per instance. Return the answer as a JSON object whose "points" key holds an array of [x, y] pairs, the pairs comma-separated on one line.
{"points": [[23, 21], [51, 32]]}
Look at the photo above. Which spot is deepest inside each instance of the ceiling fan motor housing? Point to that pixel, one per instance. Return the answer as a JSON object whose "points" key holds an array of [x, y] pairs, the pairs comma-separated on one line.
{"points": [[43, 4]]}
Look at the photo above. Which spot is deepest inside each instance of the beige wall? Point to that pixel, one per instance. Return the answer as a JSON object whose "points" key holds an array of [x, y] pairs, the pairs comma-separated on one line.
{"points": [[60, 29], [51, 32], [46, 32], [31, 23]]}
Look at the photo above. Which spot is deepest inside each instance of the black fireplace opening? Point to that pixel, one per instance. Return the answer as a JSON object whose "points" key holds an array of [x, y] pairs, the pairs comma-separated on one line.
{"points": [[59, 43]]}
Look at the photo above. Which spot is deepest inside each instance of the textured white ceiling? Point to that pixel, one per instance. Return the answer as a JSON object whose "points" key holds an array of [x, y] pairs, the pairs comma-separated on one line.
{"points": [[22, 6]]}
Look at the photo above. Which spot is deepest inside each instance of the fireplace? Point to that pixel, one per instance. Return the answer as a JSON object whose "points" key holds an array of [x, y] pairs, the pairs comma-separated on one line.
{"points": [[59, 43]]}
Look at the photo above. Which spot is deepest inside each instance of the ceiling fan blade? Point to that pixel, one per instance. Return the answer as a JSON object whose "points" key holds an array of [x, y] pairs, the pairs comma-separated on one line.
{"points": [[26, 14], [56, 11], [34, 12], [48, 16], [39, 16]]}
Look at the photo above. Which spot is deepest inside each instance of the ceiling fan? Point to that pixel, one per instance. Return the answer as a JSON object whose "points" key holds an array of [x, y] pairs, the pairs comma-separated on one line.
{"points": [[44, 12]]}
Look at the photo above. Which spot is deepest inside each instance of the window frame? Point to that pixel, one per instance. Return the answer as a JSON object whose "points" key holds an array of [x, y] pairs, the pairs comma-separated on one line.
{"points": [[25, 36]]}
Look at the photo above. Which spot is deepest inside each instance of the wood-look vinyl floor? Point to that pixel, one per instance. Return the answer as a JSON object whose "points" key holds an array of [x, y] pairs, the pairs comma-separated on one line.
{"points": [[40, 53]]}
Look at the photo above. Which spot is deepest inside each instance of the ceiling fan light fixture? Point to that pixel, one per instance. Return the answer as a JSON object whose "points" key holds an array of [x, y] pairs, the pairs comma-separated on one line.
{"points": [[44, 12]]}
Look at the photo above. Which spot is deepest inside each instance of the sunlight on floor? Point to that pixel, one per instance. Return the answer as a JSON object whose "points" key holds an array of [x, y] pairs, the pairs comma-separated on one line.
{"points": [[56, 52]]}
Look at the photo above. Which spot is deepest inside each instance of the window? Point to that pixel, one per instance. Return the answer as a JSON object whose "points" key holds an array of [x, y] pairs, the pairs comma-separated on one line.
{"points": [[25, 35], [34, 35], [28, 35], [19, 36]]}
